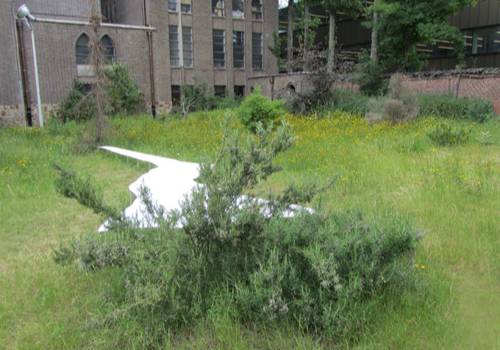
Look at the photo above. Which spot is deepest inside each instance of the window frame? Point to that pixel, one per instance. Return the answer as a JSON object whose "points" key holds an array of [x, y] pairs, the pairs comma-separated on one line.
{"points": [[241, 49], [177, 3], [108, 11], [82, 50], [236, 91], [482, 40], [215, 52], [260, 55], [255, 13], [174, 46], [176, 101], [236, 15], [217, 94], [109, 57], [189, 50], [222, 9]]}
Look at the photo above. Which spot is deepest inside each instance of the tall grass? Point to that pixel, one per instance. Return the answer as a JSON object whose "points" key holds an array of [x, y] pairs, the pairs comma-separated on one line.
{"points": [[450, 192]]}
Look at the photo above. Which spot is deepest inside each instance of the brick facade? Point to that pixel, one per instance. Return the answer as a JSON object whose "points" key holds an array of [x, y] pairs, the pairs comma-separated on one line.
{"points": [[56, 49]]}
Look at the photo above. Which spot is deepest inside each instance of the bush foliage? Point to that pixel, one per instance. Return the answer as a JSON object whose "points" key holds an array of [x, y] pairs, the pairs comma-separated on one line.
{"points": [[123, 96], [78, 105], [257, 109], [122, 92], [445, 135], [451, 107], [400, 105], [322, 273], [371, 77]]}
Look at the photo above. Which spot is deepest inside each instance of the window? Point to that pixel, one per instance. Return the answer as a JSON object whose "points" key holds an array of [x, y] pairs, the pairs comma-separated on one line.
{"points": [[186, 6], [176, 95], [218, 8], [173, 38], [219, 48], [82, 51], [108, 49], [220, 90], [239, 49], [239, 91], [172, 5], [238, 9], [442, 48], [187, 46], [482, 40], [257, 9], [257, 51], [108, 11]]}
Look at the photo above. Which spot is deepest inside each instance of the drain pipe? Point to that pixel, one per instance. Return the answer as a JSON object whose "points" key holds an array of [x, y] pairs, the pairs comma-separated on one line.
{"points": [[24, 74], [149, 37]]}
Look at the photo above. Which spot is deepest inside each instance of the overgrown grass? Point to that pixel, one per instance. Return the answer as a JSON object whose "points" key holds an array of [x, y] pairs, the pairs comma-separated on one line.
{"points": [[450, 192]]}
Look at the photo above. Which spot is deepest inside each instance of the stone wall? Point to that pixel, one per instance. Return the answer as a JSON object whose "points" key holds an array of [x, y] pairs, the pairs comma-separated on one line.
{"points": [[12, 115], [275, 86]]}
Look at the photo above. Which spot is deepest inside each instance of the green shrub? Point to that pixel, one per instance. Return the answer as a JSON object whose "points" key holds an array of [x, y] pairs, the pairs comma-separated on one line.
{"points": [[450, 107], [445, 135], [197, 98], [337, 100], [325, 274], [215, 102], [400, 105], [394, 110], [193, 98], [257, 109], [371, 77], [122, 93], [78, 105], [375, 109], [122, 96], [480, 110], [349, 102], [484, 138]]}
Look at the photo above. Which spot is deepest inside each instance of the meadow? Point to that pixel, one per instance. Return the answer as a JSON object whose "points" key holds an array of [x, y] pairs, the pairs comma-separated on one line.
{"points": [[452, 194]]}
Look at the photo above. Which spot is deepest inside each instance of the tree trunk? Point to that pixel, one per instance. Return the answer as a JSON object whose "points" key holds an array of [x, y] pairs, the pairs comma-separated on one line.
{"points": [[331, 43], [307, 21], [96, 59], [289, 47], [374, 46]]}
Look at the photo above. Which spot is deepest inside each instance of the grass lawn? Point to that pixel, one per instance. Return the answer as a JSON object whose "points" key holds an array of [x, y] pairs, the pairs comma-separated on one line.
{"points": [[451, 193]]}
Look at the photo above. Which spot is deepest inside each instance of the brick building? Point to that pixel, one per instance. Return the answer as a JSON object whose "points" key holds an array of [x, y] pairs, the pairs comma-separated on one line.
{"points": [[221, 43]]}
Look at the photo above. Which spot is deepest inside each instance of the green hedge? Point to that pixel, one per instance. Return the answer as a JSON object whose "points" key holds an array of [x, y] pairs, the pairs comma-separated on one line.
{"points": [[450, 107]]}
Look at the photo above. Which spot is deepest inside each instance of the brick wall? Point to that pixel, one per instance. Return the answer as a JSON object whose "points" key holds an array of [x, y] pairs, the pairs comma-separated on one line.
{"points": [[478, 83], [470, 85]]}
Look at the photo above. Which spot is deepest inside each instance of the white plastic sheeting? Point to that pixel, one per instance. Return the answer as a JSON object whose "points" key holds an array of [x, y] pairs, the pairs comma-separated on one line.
{"points": [[168, 183]]}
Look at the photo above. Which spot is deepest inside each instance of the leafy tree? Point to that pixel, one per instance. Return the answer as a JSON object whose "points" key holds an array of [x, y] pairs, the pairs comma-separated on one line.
{"points": [[333, 7], [403, 24], [374, 43]]}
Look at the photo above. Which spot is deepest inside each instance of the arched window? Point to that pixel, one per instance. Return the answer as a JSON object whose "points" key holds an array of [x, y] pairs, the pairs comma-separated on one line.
{"points": [[108, 49], [82, 50]]}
